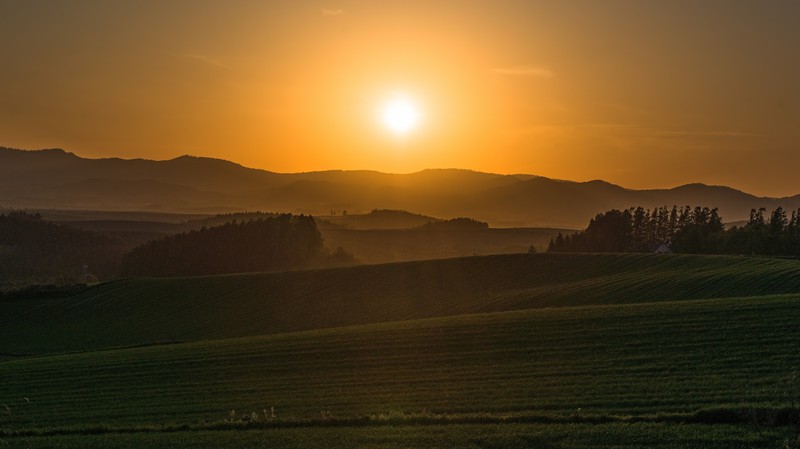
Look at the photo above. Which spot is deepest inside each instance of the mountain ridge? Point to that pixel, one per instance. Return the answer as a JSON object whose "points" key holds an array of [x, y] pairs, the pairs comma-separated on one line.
{"points": [[56, 178]]}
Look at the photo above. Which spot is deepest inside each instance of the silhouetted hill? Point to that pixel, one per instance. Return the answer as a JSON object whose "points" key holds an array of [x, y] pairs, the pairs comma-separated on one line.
{"points": [[380, 219], [58, 179], [455, 224], [727, 199], [213, 307]]}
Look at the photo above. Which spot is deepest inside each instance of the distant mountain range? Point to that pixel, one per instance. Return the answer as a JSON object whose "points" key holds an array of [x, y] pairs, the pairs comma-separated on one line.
{"points": [[56, 179]]}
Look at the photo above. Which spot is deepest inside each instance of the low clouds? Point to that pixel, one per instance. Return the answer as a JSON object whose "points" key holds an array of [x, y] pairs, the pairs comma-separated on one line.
{"points": [[720, 134], [331, 12], [540, 72], [631, 131], [203, 59]]}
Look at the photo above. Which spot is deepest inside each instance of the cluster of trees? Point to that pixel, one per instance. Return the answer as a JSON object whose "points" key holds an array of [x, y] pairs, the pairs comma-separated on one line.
{"points": [[698, 230], [37, 251], [281, 242], [779, 235], [51, 256]]}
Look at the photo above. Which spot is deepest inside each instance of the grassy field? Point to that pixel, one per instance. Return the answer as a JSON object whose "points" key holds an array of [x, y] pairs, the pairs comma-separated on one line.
{"points": [[145, 311], [550, 350], [594, 361], [507, 436]]}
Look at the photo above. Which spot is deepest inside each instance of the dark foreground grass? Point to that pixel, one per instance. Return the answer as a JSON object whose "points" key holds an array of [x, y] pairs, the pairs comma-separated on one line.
{"points": [[135, 312], [620, 360], [454, 436]]}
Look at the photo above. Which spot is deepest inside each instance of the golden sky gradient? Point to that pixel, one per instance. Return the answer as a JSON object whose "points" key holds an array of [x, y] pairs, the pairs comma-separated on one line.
{"points": [[645, 94]]}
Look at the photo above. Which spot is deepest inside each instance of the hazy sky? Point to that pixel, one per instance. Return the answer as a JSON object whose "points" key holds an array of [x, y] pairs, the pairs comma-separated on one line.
{"points": [[641, 93]]}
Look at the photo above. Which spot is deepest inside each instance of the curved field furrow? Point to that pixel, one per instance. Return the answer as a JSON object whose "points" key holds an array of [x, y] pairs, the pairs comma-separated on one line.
{"points": [[637, 359], [147, 311]]}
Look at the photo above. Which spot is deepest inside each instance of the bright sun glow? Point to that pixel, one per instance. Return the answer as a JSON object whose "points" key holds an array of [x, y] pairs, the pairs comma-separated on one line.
{"points": [[400, 115]]}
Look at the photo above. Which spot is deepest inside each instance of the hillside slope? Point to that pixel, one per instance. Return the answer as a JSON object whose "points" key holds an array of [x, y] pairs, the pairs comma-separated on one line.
{"points": [[573, 363], [133, 312]]}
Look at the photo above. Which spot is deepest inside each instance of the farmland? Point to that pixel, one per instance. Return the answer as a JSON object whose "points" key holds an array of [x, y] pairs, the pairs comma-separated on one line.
{"points": [[505, 351], [506, 436], [146, 311]]}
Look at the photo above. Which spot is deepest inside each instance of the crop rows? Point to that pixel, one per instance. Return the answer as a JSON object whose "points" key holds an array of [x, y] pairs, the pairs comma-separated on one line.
{"points": [[145, 311], [648, 359], [514, 436]]}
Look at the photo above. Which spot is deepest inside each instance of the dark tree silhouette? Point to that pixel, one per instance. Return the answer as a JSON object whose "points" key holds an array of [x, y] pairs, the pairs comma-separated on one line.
{"points": [[37, 251], [698, 230], [282, 242]]}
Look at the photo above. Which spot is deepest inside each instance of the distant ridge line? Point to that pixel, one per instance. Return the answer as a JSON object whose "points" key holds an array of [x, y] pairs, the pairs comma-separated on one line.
{"points": [[58, 179]]}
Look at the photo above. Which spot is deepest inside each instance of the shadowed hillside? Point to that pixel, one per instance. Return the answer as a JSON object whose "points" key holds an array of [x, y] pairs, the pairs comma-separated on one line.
{"points": [[675, 362], [188, 309]]}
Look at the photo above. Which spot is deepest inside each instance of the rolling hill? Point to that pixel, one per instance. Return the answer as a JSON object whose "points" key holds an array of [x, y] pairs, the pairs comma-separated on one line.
{"points": [[699, 361], [584, 350], [58, 179], [146, 311]]}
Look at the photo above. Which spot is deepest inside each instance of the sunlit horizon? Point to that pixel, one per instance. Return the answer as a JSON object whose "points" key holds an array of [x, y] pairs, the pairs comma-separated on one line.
{"points": [[642, 95]]}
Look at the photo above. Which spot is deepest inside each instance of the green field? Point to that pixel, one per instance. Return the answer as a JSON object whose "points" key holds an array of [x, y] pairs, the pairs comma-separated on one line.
{"points": [[550, 350], [482, 436], [146, 311]]}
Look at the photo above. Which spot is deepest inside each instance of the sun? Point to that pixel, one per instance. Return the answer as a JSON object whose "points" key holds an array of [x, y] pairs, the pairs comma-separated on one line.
{"points": [[400, 115]]}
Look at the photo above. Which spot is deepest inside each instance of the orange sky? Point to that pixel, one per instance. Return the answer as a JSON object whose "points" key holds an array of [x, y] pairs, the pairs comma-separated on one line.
{"points": [[643, 94]]}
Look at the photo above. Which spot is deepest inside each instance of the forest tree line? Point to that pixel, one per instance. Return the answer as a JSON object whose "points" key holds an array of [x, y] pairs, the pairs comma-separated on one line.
{"points": [[688, 230], [280, 242], [34, 251]]}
